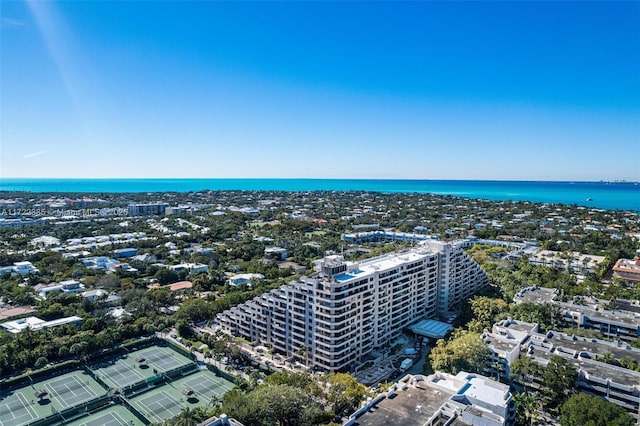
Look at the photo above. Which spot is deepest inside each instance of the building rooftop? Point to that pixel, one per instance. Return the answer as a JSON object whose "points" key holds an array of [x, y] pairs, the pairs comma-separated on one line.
{"points": [[628, 266], [414, 406], [416, 399], [594, 347], [181, 285], [626, 318], [594, 368], [6, 313], [431, 328], [520, 326], [628, 305], [501, 343], [487, 390], [607, 371], [537, 295], [35, 323], [94, 293]]}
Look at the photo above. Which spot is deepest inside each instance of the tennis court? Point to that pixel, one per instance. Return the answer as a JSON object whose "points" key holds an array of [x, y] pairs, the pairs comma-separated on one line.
{"points": [[15, 410], [204, 385], [116, 415], [31, 403], [138, 366], [158, 406], [161, 358], [71, 390], [120, 374]]}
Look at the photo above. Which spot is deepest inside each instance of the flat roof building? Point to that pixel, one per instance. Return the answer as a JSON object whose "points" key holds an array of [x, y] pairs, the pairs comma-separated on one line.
{"points": [[537, 295], [247, 279], [588, 312], [346, 310], [431, 328], [175, 287], [385, 236], [627, 270], [34, 323], [148, 209], [22, 268], [439, 399], [66, 287], [510, 340], [125, 252]]}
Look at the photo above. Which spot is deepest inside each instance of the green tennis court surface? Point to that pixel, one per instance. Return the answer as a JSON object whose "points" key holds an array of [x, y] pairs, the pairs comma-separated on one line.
{"points": [[73, 389], [205, 385], [16, 410], [158, 405], [77, 391], [30, 403], [121, 372], [161, 358], [168, 400], [115, 415], [137, 366]]}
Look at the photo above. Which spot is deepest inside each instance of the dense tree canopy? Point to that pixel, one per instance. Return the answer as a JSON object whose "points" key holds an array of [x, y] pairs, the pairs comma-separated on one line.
{"points": [[558, 380], [278, 404], [486, 312], [465, 351], [344, 392], [585, 410], [524, 370]]}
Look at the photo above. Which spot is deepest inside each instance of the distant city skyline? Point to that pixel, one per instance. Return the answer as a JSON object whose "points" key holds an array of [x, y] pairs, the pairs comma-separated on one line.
{"points": [[367, 90]]}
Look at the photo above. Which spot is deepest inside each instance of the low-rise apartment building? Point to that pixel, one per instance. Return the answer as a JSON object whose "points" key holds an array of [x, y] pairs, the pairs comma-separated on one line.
{"points": [[627, 270], [22, 268], [34, 323], [599, 363], [438, 400], [588, 313], [66, 287]]}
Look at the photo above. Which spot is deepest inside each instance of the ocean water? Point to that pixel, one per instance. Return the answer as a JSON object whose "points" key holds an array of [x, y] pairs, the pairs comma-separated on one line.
{"points": [[624, 196]]}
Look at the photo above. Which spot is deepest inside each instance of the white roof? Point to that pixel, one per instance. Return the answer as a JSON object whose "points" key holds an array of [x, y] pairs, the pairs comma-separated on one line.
{"points": [[35, 323], [488, 391]]}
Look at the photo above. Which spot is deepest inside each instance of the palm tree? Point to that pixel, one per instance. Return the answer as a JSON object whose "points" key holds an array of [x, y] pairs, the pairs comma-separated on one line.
{"points": [[214, 401], [607, 358], [187, 417], [526, 407]]}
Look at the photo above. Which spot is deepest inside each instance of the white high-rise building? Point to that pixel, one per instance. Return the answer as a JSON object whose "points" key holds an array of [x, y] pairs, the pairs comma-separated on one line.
{"points": [[346, 310]]}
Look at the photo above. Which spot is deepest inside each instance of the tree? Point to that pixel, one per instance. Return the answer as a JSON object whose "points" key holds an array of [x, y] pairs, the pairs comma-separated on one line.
{"points": [[558, 380], [63, 351], [465, 351], [524, 370], [108, 280], [527, 404], [487, 310], [162, 296], [297, 380], [546, 316], [195, 310], [40, 362], [607, 358], [166, 276], [273, 405], [187, 417], [585, 410], [344, 392]]}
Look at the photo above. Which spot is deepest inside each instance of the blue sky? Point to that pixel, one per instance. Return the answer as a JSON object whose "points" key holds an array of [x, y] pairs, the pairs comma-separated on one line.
{"points": [[421, 90]]}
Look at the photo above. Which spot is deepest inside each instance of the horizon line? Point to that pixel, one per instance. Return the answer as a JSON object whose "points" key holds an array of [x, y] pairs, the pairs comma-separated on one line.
{"points": [[323, 178]]}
